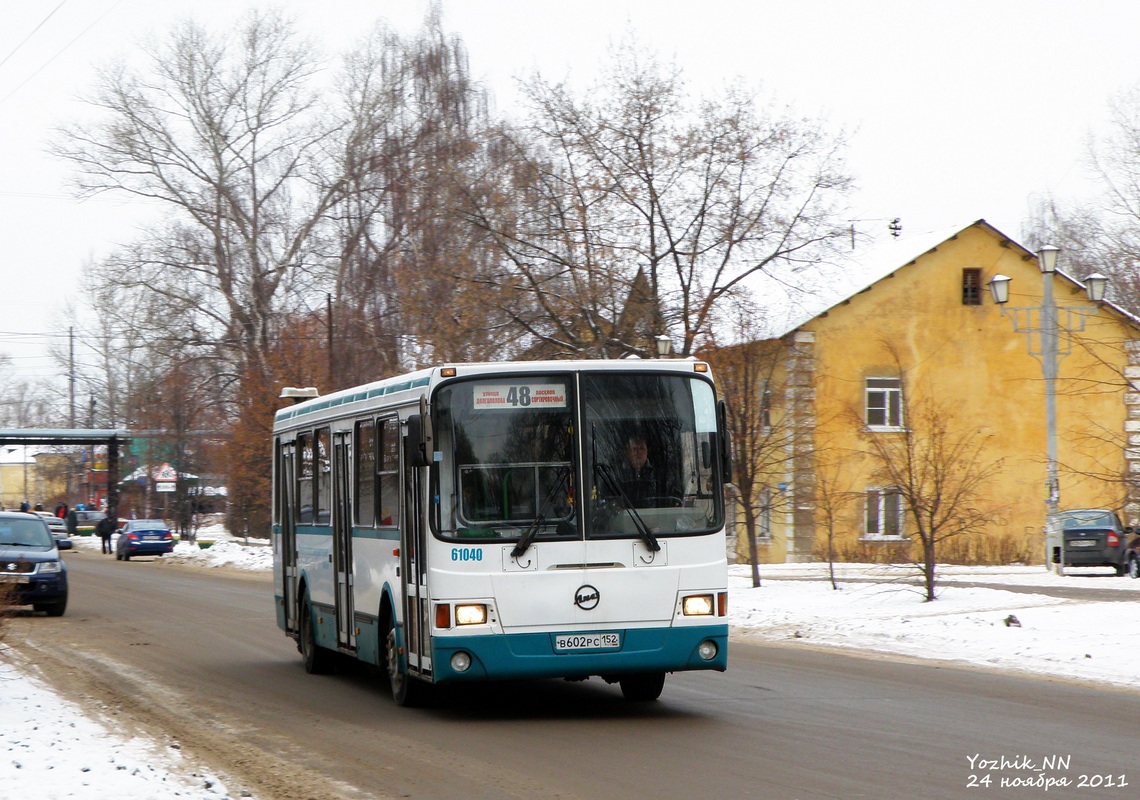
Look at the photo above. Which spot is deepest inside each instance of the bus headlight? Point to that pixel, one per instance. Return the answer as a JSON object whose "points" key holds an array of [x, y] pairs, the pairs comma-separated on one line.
{"points": [[473, 614], [697, 605], [460, 661], [706, 650]]}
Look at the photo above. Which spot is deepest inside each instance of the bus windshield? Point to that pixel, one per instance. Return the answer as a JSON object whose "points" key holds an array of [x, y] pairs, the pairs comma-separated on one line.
{"points": [[516, 449], [508, 442], [650, 449]]}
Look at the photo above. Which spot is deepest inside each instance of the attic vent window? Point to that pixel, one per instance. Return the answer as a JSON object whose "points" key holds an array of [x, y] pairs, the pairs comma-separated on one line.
{"points": [[971, 287]]}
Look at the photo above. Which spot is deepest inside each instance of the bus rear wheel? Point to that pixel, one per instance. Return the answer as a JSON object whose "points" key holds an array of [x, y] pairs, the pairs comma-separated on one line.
{"points": [[642, 687], [317, 659]]}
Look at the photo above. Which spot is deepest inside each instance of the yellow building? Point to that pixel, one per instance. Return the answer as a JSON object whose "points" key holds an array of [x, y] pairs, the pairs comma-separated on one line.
{"points": [[859, 392], [33, 475]]}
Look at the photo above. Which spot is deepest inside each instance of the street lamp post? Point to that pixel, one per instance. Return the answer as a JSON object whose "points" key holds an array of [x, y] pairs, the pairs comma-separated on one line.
{"points": [[1043, 320]]}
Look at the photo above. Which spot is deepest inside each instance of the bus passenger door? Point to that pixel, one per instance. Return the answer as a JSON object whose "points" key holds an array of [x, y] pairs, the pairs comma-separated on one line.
{"points": [[286, 505], [342, 538], [414, 573]]}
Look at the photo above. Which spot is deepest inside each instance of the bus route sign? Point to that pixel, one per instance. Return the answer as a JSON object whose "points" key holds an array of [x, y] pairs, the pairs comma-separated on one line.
{"points": [[519, 395]]}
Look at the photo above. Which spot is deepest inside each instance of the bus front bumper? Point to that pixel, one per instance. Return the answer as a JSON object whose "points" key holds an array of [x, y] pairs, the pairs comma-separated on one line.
{"points": [[534, 655]]}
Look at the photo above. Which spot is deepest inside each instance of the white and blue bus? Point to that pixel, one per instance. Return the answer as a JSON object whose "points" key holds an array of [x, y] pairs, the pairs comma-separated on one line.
{"points": [[507, 520]]}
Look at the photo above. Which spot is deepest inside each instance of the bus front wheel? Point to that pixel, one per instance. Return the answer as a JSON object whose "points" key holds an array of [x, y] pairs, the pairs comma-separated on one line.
{"points": [[642, 687], [406, 690]]}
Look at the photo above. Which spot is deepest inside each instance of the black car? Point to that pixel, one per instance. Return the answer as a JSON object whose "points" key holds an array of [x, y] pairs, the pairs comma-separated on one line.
{"points": [[30, 565], [1094, 537]]}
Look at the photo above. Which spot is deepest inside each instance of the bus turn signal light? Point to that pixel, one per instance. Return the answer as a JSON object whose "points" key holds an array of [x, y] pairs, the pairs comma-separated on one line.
{"points": [[442, 615]]}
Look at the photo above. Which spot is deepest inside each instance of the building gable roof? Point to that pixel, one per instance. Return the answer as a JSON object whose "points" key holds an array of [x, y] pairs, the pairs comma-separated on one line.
{"points": [[883, 261]]}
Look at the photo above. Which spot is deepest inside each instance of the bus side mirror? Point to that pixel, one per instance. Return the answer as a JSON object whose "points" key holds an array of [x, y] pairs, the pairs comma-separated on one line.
{"points": [[419, 444], [725, 441], [414, 451]]}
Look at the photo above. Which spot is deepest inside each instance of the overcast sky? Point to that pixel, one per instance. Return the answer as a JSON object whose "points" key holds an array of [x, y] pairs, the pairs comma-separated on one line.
{"points": [[956, 111]]}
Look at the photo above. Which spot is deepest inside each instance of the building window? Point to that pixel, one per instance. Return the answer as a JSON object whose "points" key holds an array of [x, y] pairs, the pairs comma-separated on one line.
{"points": [[883, 514], [971, 287], [764, 518], [884, 403]]}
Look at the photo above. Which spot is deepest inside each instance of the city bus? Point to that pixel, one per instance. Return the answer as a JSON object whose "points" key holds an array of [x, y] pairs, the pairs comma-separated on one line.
{"points": [[478, 522]]}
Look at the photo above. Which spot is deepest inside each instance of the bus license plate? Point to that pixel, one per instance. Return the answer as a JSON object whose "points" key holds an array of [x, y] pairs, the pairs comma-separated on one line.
{"points": [[587, 641]]}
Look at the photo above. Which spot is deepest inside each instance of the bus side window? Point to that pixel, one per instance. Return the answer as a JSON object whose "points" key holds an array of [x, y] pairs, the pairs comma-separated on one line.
{"points": [[388, 472], [323, 477], [366, 473], [305, 478]]}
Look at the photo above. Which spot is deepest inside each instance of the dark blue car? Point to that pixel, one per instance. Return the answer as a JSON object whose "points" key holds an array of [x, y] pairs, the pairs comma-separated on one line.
{"points": [[143, 537], [30, 566]]}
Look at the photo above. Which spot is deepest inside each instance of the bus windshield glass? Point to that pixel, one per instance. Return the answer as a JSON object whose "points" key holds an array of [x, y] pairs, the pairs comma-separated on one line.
{"points": [[651, 454], [511, 447], [509, 444]]}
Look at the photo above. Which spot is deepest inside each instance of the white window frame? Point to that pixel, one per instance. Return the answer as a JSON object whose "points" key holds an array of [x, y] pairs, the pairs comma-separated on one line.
{"points": [[888, 393], [875, 512], [764, 515]]}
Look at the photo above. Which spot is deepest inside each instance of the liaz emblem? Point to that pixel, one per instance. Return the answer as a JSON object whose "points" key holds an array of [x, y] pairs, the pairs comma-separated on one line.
{"points": [[586, 598]]}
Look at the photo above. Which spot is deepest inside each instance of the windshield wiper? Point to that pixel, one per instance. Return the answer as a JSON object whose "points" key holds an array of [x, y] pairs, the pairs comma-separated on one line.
{"points": [[615, 487], [532, 530]]}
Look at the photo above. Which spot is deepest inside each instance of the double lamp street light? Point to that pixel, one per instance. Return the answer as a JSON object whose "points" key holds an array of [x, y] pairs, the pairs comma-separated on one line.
{"points": [[1044, 321]]}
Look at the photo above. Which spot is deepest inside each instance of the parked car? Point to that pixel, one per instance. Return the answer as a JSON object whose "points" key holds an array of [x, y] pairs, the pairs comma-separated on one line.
{"points": [[1094, 537], [143, 537], [58, 529], [85, 522], [30, 564]]}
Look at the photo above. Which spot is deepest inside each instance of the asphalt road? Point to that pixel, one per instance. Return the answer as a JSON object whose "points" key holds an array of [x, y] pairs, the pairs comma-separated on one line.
{"points": [[194, 655]]}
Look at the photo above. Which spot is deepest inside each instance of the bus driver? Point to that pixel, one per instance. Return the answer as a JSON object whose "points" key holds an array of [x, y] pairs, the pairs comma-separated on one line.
{"points": [[639, 477]]}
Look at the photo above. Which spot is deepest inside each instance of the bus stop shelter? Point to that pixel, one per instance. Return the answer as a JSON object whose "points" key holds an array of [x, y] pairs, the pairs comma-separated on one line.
{"points": [[114, 439]]}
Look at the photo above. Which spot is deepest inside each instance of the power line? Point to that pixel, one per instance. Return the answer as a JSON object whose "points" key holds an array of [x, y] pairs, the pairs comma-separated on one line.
{"points": [[59, 52], [33, 33]]}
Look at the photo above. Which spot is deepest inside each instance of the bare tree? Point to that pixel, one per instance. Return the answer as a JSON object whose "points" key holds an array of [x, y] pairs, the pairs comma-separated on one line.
{"points": [[833, 501], [939, 468], [405, 256], [217, 131], [753, 378], [1101, 234], [631, 183]]}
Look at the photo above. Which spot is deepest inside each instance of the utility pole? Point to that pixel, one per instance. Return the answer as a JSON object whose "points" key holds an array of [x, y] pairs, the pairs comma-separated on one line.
{"points": [[332, 352], [71, 376]]}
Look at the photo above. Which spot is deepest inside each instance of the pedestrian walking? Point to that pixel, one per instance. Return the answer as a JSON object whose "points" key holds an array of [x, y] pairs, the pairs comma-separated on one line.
{"points": [[105, 527]]}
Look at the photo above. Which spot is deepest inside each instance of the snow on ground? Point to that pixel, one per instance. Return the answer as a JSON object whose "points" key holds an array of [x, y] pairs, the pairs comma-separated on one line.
{"points": [[55, 750]]}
